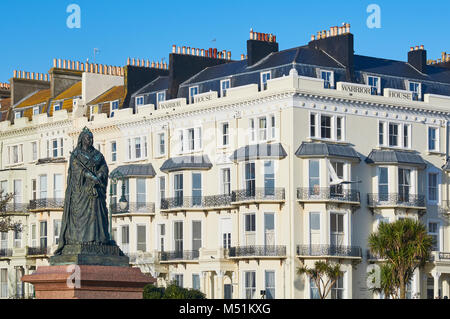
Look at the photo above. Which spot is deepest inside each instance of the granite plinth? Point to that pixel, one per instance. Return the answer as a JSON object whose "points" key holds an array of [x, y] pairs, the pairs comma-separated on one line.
{"points": [[88, 282], [90, 254]]}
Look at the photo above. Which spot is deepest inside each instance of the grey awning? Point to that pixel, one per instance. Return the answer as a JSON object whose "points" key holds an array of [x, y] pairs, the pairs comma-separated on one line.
{"points": [[136, 170], [395, 157], [186, 162], [319, 149], [259, 151]]}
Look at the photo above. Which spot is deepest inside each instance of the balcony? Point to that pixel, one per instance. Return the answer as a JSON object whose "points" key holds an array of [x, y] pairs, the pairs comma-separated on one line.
{"points": [[257, 252], [440, 257], [329, 251], [444, 208], [328, 194], [196, 202], [257, 195], [396, 200], [38, 251], [134, 208], [5, 252], [372, 257], [46, 204], [14, 208], [179, 256]]}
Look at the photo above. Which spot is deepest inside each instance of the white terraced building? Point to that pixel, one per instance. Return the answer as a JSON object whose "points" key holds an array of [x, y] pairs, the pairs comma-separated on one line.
{"points": [[237, 172]]}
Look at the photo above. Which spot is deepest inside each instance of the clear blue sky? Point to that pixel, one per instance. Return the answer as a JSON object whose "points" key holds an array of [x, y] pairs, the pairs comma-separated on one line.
{"points": [[35, 32]]}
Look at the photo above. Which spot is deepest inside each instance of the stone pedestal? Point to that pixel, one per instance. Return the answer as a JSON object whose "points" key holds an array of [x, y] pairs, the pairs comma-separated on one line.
{"points": [[88, 282]]}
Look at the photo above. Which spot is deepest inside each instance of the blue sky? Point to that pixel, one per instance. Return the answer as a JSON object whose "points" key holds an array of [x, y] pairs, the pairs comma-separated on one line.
{"points": [[35, 32]]}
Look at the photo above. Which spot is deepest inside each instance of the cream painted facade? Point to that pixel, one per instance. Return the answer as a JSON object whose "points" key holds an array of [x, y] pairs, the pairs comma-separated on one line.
{"points": [[238, 245]]}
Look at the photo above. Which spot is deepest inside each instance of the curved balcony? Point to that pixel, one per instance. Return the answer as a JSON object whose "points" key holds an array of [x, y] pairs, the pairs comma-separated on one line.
{"points": [[329, 251], [265, 251], [136, 208], [46, 204], [196, 202], [396, 200], [328, 194], [179, 256], [258, 195]]}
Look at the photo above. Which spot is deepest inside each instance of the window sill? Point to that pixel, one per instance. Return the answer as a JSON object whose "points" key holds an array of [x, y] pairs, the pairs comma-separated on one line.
{"points": [[396, 148], [435, 153], [161, 156], [318, 139]]}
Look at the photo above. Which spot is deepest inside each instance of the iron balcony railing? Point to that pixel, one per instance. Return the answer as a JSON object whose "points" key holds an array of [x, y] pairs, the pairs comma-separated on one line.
{"points": [[44, 203], [5, 252], [14, 208], [133, 207], [259, 194], [444, 256], [329, 250], [180, 255], [371, 256], [328, 193], [196, 201], [34, 251], [256, 251], [396, 199]]}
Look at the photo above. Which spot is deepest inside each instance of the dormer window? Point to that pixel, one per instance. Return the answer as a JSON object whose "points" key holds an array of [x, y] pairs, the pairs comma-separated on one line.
{"points": [[160, 97], [35, 110], [57, 107], [374, 82], [94, 110], [139, 100], [416, 88], [328, 78], [17, 115], [114, 108], [224, 86], [193, 91], [265, 76]]}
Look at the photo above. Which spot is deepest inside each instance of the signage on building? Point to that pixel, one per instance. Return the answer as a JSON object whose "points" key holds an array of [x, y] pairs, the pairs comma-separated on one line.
{"points": [[171, 104], [205, 97], [399, 94], [354, 88]]}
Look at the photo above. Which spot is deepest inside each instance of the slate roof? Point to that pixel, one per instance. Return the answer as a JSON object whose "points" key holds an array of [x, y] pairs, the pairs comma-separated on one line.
{"points": [[395, 157], [161, 83], [186, 162], [4, 108], [320, 149], [136, 170], [259, 151]]}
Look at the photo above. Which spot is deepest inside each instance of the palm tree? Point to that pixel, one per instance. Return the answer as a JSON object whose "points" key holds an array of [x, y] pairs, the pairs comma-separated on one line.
{"points": [[405, 245], [321, 271], [388, 281]]}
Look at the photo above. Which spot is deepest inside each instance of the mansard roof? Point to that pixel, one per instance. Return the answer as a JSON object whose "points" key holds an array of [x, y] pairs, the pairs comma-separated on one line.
{"points": [[321, 149], [395, 157]]}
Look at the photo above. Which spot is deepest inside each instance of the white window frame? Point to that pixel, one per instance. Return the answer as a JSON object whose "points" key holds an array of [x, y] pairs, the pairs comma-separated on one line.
{"points": [[438, 182], [183, 140], [35, 108], [111, 109], [222, 180], [264, 84], [113, 153], [34, 152], [400, 135], [158, 143], [191, 95], [419, 89], [223, 92], [17, 115], [157, 98], [331, 80], [440, 232], [333, 122], [437, 141], [11, 157], [57, 105], [138, 98], [222, 135], [92, 111], [378, 86], [137, 236], [131, 148]]}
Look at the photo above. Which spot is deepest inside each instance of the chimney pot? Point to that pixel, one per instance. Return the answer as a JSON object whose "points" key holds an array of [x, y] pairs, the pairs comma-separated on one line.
{"points": [[202, 52], [128, 61], [142, 63], [15, 74], [422, 47], [174, 48], [229, 55], [183, 50]]}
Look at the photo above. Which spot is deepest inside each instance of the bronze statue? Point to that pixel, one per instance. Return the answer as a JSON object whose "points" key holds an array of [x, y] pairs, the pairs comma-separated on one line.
{"points": [[85, 217]]}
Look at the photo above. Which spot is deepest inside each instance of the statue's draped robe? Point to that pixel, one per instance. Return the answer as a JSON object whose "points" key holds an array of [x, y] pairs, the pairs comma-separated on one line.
{"points": [[85, 218]]}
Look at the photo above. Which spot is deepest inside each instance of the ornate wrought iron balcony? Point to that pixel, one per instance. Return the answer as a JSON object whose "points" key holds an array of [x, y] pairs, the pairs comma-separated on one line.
{"points": [[179, 255], [257, 251], [35, 251], [329, 250], [396, 199], [14, 208], [133, 207], [46, 203], [259, 194], [328, 194], [5, 252], [196, 202]]}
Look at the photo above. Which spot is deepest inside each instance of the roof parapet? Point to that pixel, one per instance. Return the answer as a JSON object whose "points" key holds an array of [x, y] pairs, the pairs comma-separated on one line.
{"points": [[31, 76], [146, 64]]}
